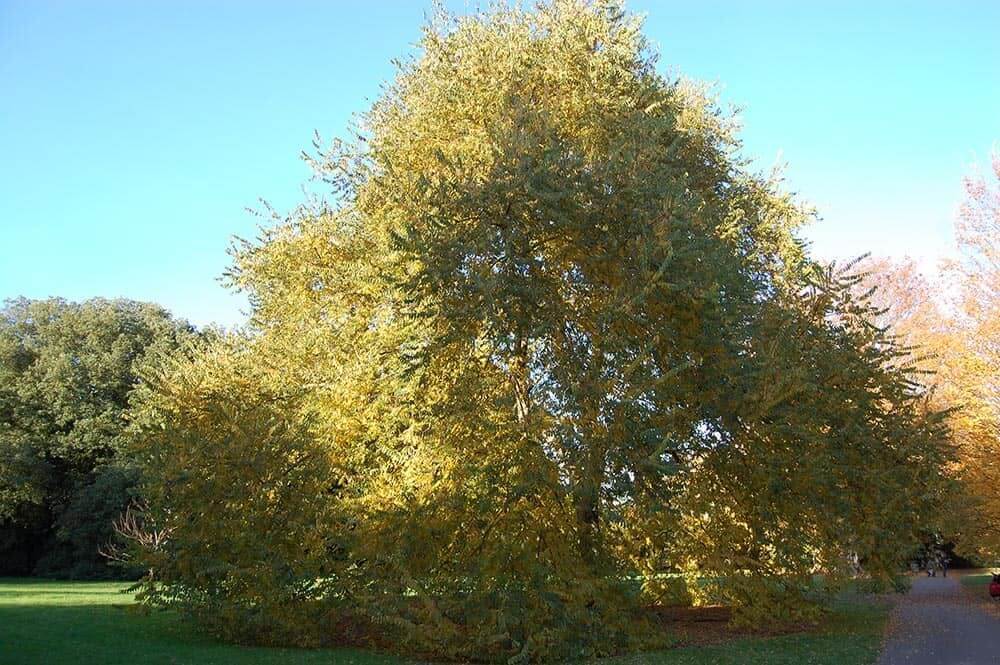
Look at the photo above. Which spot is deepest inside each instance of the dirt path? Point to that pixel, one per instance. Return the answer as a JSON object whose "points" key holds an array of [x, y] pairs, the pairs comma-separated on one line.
{"points": [[939, 623]]}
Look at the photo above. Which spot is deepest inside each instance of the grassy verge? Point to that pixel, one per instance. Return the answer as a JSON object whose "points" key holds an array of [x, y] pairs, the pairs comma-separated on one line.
{"points": [[91, 622], [979, 579]]}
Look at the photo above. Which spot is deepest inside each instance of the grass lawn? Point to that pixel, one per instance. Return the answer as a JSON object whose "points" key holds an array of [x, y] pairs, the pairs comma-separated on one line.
{"points": [[49, 622], [90, 622], [978, 579], [852, 635]]}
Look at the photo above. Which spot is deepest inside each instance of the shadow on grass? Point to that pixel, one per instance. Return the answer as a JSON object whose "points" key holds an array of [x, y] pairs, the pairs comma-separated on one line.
{"points": [[850, 635]]}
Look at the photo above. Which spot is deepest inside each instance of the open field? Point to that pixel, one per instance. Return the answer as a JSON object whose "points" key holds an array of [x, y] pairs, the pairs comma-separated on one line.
{"points": [[55, 622]]}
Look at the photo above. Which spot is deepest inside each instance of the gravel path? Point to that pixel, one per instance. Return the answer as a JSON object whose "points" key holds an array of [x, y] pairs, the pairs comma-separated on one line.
{"points": [[939, 623]]}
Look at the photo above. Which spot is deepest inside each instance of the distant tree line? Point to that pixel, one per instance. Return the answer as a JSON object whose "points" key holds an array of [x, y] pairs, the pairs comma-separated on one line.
{"points": [[68, 372]]}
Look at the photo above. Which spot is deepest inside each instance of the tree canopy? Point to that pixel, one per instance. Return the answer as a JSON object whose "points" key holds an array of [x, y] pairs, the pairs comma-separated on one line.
{"points": [[548, 354], [951, 326], [67, 371], [974, 371]]}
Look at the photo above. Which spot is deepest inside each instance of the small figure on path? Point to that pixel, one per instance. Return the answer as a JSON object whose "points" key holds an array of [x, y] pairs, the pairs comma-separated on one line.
{"points": [[995, 587]]}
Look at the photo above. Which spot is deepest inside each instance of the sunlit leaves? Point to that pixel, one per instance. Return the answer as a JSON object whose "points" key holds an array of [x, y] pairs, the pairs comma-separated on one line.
{"points": [[553, 343]]}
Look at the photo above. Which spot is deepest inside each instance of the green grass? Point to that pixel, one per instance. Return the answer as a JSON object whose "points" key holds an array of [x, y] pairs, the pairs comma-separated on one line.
{"points": [[48, 622], [91, 622], [852, 635], [979, 579]]}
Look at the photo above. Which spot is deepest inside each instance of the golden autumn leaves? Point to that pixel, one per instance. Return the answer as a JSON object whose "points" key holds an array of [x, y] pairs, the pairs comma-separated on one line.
{"points": [[551, 356]]}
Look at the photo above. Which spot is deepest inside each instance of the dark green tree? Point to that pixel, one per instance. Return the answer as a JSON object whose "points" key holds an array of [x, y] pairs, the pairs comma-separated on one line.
{"points": [[67, 371]]}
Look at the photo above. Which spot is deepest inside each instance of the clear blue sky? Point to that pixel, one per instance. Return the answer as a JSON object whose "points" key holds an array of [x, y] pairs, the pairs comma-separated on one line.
{"points": [[133, 135]]}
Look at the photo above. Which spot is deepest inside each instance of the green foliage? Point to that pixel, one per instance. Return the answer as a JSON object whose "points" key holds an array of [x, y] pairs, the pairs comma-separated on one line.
{"points": [[550, 345], [83, 528], [66, 373]]}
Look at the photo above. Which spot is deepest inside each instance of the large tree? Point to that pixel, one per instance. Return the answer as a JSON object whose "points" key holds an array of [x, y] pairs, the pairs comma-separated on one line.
{"points": [[972, 371], [951, 326], [549, 354], [66, 374]]}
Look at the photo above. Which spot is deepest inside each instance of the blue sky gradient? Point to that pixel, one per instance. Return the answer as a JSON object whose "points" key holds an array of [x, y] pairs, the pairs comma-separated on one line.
{"points": [[133, 135]]}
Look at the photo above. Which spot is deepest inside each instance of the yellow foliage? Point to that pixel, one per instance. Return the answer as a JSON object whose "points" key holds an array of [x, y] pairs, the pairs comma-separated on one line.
{"points": [[549, 346]]}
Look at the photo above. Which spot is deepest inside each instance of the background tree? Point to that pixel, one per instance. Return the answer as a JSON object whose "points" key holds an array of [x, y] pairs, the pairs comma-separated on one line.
{"points": [[918, 312], [951, 326], [67, 371], [973, 380]]}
